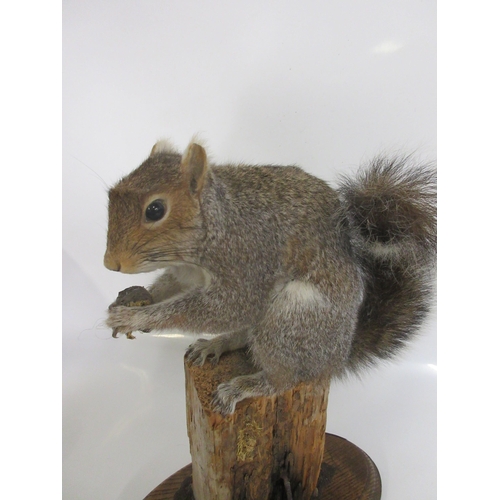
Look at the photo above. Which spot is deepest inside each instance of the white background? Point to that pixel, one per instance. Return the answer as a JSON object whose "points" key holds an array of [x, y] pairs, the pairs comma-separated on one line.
{"points": [[325, 85]]}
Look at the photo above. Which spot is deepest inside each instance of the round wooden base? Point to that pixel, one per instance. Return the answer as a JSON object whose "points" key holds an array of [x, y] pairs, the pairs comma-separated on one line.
{"points": [[347, 473]]}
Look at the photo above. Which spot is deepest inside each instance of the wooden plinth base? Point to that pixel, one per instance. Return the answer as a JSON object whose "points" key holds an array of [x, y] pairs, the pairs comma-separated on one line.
{"points": [[347, 473]]}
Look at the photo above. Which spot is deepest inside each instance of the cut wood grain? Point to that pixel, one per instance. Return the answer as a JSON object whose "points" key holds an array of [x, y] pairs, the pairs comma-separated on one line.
{"points": [[268, 443]]}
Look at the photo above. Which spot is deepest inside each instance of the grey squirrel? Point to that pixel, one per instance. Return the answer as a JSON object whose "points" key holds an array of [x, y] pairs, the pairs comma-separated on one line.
{"points": [[314, 282]]}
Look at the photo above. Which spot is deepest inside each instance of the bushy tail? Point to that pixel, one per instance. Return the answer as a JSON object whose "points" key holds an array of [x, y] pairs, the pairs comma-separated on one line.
{"points": [[391, 209]]}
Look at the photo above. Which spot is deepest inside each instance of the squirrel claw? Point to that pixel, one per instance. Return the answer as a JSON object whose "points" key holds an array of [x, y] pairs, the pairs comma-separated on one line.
{"points": [[225, 399], [198, 352], [116, 331]]}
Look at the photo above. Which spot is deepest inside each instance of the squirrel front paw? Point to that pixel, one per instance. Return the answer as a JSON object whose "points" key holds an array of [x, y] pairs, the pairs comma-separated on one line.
{"points": [[121, 320]]}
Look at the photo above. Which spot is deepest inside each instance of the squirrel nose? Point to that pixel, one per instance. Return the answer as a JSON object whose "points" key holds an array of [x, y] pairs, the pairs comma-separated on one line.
{"points": [[111, 264]]}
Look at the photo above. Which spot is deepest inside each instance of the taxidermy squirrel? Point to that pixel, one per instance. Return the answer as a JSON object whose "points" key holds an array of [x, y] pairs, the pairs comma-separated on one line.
{"points": [[313, 282]]}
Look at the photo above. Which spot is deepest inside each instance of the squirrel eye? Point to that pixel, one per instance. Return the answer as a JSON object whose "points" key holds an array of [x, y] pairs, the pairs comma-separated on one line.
{"points": [[155, 211]]}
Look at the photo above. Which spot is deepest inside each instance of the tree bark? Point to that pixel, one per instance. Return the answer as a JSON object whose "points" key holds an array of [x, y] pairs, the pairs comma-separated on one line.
{"points": [[270, 448]]}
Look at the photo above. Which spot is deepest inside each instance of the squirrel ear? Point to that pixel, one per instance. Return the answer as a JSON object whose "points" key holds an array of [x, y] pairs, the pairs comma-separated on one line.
{"points": [[163, 146], [194, 166]]}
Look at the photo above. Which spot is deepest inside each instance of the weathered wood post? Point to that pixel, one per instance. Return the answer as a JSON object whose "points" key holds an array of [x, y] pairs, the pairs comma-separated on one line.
{"points": [[269, 445]]}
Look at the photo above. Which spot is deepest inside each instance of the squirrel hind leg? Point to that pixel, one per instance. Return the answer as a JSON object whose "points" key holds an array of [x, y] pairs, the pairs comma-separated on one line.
{"points": [[304, 335]]}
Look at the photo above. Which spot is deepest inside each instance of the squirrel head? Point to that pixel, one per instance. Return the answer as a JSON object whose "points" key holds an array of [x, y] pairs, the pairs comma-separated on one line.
{"points": [[154, 212]]}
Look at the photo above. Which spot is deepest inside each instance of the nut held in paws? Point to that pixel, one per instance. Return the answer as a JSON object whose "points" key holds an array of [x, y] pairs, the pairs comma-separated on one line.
{"points": [[133, 296]]}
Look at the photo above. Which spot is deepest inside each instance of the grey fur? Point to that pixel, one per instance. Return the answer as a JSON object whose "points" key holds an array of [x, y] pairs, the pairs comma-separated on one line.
{"points": [[315, 282]]}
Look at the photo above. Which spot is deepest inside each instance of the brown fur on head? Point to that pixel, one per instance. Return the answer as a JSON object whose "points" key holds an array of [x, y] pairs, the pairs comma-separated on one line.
{"points": [[154, 211]]}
